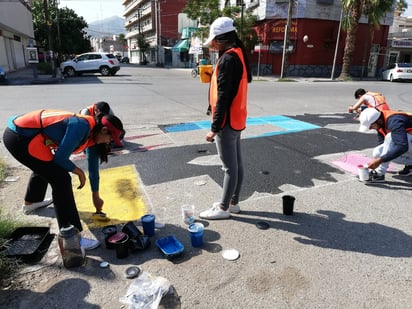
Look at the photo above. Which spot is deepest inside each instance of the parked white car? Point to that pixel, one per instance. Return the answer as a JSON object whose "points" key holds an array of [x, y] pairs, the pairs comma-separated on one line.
{"points": [[103, 63], [398, 72]]}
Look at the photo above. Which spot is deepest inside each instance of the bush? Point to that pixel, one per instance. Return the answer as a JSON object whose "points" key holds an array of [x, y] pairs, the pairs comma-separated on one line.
{"points": [[8, 266], [3, 170], [7, 226], [44, 68]]}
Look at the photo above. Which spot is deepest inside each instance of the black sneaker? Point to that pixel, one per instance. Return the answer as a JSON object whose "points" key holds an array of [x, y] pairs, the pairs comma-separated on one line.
{"points": [[375, 178], [407, 170]]}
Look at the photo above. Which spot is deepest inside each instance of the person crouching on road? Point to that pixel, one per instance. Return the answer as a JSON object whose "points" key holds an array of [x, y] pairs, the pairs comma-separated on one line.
{"points": [[367, 99], [43, 140], [228, 102], [395, 140], [102, 108]]}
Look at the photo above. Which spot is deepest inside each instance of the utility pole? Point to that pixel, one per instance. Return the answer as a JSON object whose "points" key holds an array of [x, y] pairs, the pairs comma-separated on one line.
{"points": [[337, 45], [241, 20], [286, 40], [48, 24], [158, 32]]}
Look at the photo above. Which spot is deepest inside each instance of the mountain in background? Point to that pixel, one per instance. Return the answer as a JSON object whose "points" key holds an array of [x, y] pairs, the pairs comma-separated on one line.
{"points": [[106, 27]]}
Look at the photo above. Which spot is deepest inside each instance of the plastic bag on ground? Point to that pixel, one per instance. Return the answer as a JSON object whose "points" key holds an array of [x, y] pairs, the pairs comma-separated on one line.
{"points": [[146, 291]]}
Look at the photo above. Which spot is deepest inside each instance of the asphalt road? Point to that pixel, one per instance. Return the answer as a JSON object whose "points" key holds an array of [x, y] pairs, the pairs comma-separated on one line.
{"points": [[348, 245]]}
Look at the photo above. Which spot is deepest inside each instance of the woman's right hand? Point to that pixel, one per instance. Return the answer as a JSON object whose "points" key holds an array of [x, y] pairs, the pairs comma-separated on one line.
{"points": [[82, 177]]}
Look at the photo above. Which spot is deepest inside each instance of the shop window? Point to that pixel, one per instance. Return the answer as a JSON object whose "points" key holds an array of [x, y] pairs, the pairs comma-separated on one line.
{"points": [[276, 47]]}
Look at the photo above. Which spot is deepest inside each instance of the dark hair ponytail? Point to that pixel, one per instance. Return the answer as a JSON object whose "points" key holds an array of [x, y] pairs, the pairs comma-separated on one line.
{"points": [[242, 47], [232, 38]]}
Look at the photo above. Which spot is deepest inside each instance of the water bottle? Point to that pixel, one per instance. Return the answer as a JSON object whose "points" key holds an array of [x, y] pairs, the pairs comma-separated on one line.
{"points": [[69, 242]]}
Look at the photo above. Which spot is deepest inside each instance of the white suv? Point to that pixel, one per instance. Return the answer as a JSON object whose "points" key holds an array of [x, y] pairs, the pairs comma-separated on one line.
{"points": [[105, 63]]}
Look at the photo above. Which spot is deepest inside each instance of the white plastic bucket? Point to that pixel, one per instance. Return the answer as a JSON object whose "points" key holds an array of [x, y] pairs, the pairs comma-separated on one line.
{"points": [[363, 172]]}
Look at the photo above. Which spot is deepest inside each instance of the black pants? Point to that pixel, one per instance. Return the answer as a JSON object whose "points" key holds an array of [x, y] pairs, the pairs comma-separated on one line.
{"points": [[44, 173]]}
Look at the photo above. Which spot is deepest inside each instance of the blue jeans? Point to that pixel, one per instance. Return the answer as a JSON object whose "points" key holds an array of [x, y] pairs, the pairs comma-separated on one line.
{"points": [[228, 148], [405, 158]]}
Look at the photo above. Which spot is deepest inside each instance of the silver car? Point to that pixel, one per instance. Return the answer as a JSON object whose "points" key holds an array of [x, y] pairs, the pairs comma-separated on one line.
{"points": [[398, 72], [103, 63]]}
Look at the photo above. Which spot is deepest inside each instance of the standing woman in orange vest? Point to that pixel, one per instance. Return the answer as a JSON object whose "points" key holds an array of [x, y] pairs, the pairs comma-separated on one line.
{"points": [[228, 104], [44, 140]]}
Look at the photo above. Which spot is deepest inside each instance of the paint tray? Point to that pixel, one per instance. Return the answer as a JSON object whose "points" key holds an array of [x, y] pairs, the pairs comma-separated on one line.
{"points": [[170, 246], [25, 242]]}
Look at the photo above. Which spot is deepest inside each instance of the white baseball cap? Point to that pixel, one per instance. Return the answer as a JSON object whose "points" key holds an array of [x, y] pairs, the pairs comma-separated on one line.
{"points": [[367, 117], [220, 26]]}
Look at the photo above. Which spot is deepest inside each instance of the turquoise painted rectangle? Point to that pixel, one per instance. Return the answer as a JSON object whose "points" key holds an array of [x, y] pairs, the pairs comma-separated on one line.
{"points": [[288, 124], [189, 126]]}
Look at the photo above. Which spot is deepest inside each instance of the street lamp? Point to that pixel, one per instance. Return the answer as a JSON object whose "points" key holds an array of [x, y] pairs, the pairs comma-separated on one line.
{"points": [[241, 19]]}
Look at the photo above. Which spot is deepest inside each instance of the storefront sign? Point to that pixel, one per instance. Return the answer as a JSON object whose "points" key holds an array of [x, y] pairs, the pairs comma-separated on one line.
{"points": [[280, 26], [402, 44], [32, 55], [261, 48]]}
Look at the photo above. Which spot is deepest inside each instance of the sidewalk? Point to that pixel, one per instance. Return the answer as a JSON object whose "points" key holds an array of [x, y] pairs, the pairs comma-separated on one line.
{"points": [[26, 76]]}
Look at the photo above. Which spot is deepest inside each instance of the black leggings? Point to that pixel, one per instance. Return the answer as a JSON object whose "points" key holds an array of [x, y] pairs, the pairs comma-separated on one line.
{"points": [[44, 173]]}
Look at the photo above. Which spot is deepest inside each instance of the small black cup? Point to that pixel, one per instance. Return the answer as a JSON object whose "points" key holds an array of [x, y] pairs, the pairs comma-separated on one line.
{"points": [[288, 201], [122, 247]]}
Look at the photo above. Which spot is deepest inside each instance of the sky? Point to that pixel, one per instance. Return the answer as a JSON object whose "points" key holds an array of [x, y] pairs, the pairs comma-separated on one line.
{"points": [[93, 10]]}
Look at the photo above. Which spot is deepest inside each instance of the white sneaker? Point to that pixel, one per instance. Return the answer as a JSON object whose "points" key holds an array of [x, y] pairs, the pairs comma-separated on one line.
{"points": [[215, 213], [89, 244], [234, 209], [27, 209]]}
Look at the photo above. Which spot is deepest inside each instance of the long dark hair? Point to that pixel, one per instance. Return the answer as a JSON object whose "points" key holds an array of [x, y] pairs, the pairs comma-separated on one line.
{"points": [[104, 149], [233, 39]]}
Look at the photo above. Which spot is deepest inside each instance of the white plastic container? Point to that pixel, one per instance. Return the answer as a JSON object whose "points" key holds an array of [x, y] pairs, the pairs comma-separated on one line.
{"points": [[363, 172]]}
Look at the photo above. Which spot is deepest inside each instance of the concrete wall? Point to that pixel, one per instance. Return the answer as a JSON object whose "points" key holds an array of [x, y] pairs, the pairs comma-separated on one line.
{"points": [[16, 33]]}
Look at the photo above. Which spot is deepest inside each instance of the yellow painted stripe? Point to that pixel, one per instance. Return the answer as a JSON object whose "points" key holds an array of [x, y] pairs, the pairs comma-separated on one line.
{"points": [[120, 190]]}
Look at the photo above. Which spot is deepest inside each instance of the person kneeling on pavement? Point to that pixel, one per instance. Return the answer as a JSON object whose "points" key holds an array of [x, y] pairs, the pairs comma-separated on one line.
{"points": [[103, 108], [44, 140], [394, 130]]}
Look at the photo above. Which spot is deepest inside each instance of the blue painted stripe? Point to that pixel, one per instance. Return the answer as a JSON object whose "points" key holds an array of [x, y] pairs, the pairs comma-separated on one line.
{"points": [[288, 125]]}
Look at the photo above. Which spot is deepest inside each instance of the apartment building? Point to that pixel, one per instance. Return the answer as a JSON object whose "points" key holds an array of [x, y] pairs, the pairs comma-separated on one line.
{"points": [[16, 34], [400, 41], [157, 23]]}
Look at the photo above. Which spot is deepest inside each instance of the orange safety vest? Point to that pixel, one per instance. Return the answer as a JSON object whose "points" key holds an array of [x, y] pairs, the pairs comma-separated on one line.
{"points": [[380, 101], [91, 110], [386, 114], [41, 146], [238, 108]]}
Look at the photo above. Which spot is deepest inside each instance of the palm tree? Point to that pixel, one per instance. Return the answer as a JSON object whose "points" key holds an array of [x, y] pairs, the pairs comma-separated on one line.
{"points": [[401, 6], [353, 12], [374, 10]]}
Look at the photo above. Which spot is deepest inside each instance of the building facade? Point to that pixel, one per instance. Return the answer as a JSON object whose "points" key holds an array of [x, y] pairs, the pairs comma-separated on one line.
{"points": [[16, 34], [316, 39], [400, 41], [155, 23]]}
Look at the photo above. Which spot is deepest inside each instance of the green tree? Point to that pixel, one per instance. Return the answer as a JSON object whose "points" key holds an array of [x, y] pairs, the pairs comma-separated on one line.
{"points": [[67, 29], [206, 11], [374, 10], [401, 6]]}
